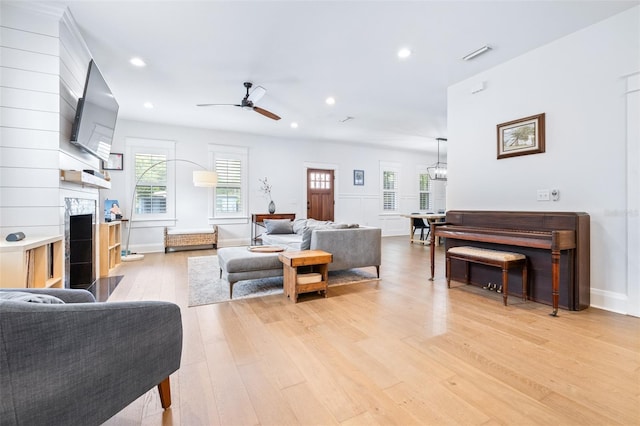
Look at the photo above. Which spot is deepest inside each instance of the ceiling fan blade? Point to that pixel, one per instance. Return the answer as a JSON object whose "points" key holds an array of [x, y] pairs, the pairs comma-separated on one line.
{"points": [[266, 113], [256, 94], [207, 105]]}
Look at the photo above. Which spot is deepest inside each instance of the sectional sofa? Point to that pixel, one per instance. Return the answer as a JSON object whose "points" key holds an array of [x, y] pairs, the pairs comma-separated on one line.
{"points": [[352, 245]]}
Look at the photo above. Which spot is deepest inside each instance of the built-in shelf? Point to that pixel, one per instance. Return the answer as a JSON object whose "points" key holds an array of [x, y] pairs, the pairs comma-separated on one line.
{"points": [[83, 178], [110, 247], [35, 262]]}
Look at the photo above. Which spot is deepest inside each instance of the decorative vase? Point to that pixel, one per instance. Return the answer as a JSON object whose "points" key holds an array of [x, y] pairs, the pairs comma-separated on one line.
{"points": [[272, 207]]}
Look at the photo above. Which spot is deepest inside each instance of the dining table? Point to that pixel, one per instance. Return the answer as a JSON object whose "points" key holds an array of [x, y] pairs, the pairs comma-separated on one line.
{"points": [[429, 218]]}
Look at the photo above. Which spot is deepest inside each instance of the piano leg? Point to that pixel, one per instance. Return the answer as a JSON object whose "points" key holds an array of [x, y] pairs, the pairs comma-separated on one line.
{"points": [[505, 284], [432, 250], [555, 280], [525, 281]]}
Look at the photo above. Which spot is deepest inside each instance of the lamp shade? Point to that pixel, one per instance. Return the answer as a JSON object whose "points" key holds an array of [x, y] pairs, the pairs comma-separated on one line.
{"points": [[205, 178]]}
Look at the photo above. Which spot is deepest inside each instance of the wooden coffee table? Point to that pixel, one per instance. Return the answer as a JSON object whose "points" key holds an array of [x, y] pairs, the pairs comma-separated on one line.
{"points": [[311, 263]]}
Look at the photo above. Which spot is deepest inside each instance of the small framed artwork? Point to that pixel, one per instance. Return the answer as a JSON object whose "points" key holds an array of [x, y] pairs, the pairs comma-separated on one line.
{"points": [[358, 177], [112, 207], [114, 162], [521, 137]]}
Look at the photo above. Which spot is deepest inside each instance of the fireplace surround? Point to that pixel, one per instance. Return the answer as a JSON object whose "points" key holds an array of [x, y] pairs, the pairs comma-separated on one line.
{"points": [[79, 238], [80, 257]]}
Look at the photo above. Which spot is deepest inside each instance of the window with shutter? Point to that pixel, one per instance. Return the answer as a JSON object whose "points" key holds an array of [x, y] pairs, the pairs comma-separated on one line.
{"points": [[230, 194], [229, 188], [151, 190], [425, 192], [389, 187], [151, 171]]}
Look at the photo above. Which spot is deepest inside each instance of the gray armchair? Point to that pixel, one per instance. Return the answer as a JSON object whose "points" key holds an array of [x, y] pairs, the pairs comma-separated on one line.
{"points": [[82, 362]]}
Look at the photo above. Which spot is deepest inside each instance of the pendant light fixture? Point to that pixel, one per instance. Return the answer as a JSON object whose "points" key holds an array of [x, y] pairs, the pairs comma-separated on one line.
{"points": [[439, 170]]}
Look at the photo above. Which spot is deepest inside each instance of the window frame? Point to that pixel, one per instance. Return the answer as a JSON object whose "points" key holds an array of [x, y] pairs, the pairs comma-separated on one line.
{"points": [[153, 147], [422, 170], [396, 169], [217, 152]]}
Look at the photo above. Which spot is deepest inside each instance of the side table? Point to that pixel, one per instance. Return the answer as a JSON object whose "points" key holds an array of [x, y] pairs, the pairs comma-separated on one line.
{"points": [[257, 220], [317, 262]]}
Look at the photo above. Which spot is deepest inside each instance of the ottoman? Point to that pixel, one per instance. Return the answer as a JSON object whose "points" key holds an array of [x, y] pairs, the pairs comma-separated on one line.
{"points": [[238, 264]]}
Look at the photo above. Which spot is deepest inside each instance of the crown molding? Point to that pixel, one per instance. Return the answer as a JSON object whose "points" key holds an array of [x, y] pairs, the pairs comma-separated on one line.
{"points": [[69, 21], [50, 9]]}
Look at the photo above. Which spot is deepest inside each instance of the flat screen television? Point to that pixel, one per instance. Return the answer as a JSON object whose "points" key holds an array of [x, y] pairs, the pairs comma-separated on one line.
{"points": [[96, 115]]}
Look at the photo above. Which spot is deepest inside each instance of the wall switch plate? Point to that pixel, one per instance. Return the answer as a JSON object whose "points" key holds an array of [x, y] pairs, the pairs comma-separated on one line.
{"points": [[555, 194], [543, 195]]}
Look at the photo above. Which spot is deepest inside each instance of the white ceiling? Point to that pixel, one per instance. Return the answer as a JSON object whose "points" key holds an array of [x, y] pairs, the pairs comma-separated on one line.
{"points": [[304, 51]]}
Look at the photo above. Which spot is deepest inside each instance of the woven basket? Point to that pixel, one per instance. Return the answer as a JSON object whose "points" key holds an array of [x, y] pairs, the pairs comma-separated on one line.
{"points": [[186, 240]]}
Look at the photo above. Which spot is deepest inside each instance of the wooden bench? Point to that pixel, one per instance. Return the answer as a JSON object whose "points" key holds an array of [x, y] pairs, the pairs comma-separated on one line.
{"points": [[501, 259], [175, 237]]}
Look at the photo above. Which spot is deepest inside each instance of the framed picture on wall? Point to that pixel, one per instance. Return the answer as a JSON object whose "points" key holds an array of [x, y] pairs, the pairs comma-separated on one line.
{"points": [[521, 137], [114, 163], [358, 177]]}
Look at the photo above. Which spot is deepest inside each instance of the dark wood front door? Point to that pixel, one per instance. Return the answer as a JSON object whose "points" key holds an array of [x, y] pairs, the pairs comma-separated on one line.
{"points": [[320, 194]]}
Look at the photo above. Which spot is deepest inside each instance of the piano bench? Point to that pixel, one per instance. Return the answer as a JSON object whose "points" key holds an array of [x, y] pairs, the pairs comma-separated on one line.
{"points": [[500, 259]]}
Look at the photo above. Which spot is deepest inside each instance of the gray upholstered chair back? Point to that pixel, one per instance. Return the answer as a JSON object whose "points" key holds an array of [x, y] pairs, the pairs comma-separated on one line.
{"points": [[81, 362]]}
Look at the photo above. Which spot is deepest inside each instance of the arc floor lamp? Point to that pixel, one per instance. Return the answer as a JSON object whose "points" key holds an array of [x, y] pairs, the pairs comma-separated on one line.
{"points": [[201, 178]]}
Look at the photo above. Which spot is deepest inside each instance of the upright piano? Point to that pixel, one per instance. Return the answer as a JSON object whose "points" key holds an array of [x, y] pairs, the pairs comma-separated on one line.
{"points": [[557, 245]]}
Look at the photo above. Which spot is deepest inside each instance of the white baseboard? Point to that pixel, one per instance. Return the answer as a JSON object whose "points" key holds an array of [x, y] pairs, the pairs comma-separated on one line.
{"points": [[609, 301]]}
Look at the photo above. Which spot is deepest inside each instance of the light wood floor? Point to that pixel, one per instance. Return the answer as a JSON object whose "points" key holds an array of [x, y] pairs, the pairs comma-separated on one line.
{"points": [[402, 350]]}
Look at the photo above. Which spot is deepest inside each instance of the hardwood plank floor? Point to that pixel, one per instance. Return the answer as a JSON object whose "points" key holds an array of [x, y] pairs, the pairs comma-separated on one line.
{"points": [[402, 350]]}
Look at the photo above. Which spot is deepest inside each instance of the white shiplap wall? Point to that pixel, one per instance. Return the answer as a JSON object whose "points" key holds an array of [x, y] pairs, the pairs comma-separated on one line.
{"points": [[43, 65], [73, 63], [29, 123]]}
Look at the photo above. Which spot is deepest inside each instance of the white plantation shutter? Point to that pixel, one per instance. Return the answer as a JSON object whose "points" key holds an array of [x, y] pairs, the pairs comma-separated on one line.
{"points": [[390, 174], [426, 201], [151, 190], [151, 171], [230, 194], [229, 188]]}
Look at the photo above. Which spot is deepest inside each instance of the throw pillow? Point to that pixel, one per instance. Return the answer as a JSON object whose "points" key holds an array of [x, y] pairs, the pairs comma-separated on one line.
{"points": [[314, 222], [22, 296], [308, 230], [278, 226], [338, 226], [299, 225], [306, 237]]}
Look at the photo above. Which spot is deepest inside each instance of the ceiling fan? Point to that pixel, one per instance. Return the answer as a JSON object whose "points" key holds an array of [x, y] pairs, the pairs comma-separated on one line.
{"points": [[249, 101]]}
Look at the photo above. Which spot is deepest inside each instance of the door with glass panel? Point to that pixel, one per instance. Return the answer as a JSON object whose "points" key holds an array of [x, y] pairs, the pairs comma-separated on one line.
{"points": [[320, 195]]}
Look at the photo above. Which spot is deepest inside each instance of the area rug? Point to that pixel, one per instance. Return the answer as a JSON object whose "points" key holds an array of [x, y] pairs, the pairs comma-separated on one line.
{"points": [[206, 286]]}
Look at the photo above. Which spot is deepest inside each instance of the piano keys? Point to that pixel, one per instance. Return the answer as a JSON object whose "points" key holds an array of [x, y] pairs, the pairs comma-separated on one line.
{"points": [[556, 244]]}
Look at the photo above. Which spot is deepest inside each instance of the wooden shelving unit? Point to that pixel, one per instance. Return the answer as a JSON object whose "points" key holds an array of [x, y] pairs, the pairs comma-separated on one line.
{"points": [[110, 247], [36, 262]]}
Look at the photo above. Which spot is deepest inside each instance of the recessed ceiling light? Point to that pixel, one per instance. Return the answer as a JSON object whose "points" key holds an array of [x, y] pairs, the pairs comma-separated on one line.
{"points": [[330, 100], [404, 53], [137, 62], [294, 125], [148, 105]]}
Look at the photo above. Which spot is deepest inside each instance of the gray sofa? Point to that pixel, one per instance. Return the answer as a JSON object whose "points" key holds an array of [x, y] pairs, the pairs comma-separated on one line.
{"points": [[352, 246], [81, 362]]}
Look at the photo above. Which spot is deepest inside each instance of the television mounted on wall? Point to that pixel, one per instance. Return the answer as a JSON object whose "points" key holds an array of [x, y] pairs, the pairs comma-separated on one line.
{"points": [[96, 115]]}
